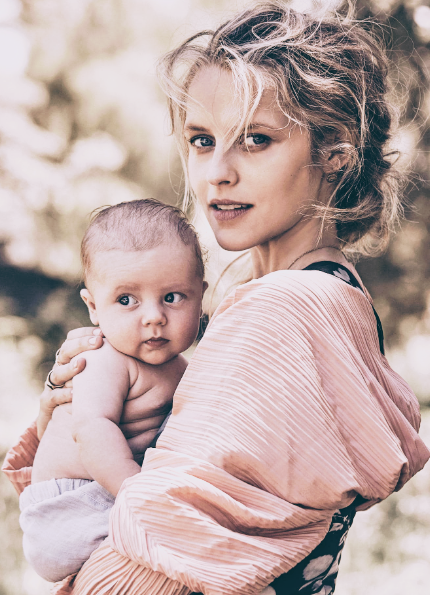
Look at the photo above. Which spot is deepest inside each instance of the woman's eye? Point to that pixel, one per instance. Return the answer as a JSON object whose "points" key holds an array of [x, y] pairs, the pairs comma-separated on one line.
{"points": [[255, 140], [201, 142], [127, 300], [173, 298]]}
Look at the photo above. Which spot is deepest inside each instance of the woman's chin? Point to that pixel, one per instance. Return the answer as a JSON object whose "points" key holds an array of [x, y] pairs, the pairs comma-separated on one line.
{"points": [[232, 244]]}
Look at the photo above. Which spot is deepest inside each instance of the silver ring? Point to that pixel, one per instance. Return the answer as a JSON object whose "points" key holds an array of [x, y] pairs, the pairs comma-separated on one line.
{"points": [[50, 384], [57, 353]]}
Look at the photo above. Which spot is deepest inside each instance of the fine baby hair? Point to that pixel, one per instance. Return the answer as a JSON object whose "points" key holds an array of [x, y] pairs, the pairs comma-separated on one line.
{"points": [[137, 225], [329, 76]]}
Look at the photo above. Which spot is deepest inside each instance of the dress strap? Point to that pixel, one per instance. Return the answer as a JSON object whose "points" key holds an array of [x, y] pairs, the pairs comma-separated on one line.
{"points": [[344, 274]]}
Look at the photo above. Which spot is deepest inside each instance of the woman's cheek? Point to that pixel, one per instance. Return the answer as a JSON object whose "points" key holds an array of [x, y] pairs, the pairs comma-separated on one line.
{"points": [[197, 177]]}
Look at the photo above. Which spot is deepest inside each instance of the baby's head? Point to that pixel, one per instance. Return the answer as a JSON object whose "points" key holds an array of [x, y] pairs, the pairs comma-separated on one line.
{"points": [[144, 279]]}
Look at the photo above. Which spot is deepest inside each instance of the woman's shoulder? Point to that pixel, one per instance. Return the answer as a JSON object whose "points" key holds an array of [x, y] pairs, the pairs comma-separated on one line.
{"points": [[317, 303], [314, 289]]}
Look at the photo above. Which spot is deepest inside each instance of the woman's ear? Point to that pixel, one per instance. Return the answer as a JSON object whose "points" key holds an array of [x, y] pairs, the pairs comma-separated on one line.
{"points": [[90, 303], [336, 162]]}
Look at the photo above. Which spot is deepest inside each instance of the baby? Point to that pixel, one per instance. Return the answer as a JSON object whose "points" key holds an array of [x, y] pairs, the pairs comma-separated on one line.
{"points": [[143, 272]]}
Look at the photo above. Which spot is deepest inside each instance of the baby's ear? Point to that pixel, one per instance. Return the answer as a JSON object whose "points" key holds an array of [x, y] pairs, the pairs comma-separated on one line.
{"points": [[205, 286], [90, 303]]}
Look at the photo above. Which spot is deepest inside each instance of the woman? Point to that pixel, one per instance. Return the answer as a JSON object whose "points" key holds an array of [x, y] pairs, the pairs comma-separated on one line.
{"points": [[288, 410]]}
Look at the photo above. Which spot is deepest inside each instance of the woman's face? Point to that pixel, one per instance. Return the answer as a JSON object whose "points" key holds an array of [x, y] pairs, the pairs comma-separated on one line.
{"points": [[260, 187]]}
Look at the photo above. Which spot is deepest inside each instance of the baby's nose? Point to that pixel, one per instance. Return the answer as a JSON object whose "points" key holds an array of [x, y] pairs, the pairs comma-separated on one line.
{"points": [[154, 316]]}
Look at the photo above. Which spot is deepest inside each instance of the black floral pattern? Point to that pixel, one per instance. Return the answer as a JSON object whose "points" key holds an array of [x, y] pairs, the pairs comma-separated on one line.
{"points": [[317, 574]]}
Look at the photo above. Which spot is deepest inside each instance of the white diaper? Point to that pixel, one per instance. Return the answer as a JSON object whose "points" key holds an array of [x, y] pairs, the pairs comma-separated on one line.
{"points": [[64, 521]]}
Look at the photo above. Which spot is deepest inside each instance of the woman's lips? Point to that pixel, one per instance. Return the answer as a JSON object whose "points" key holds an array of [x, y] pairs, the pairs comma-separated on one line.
{"points": [[228, 211], [156, 342]]}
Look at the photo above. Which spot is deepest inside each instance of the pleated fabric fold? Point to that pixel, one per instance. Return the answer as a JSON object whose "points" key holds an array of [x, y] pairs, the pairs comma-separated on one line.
{"points": [[287, 412], [18, 463]]}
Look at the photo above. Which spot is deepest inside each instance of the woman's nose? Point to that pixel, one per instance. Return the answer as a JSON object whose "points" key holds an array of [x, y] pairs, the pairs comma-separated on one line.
{"points": [[222, 169], [153, 316]]}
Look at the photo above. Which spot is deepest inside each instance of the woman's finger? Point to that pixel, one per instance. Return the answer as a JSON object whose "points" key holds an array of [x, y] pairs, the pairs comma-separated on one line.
{"points": [[73, 347], [84, 331], [59, 375], [49, 400], [58, 396]]}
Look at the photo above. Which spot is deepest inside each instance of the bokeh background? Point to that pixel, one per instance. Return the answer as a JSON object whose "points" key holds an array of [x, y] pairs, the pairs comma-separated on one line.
{"points": [[83, 124]]}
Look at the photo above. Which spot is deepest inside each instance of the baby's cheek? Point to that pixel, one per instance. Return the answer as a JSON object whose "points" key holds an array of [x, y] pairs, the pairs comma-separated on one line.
{"points": [[122, 339], [189, 333]]}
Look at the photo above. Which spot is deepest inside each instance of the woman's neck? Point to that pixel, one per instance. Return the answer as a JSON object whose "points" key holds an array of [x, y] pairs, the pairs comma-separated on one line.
{"points": [[296, 249]]}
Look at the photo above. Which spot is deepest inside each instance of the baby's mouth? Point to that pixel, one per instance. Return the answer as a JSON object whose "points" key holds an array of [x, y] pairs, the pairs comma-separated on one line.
{"points": [[156, 342]]}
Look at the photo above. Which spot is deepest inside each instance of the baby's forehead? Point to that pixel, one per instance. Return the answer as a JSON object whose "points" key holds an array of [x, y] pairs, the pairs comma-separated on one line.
{"points": [[162, 264]]}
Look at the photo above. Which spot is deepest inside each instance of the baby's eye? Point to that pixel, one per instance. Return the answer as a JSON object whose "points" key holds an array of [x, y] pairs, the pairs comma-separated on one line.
{"points": [[255, 140], [201, 142], [127, 300], [173, 298]]}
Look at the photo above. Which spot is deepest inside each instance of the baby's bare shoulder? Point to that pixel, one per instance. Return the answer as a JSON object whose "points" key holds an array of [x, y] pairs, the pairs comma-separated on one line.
{"points": [[105, 356]]}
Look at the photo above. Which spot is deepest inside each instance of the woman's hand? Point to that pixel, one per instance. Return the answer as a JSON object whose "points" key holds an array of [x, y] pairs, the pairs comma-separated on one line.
{"points": [[78, 341]]}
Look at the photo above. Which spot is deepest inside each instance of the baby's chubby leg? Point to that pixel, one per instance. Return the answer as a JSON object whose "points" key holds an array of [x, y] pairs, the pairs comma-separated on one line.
{"points": [[64, 521]]}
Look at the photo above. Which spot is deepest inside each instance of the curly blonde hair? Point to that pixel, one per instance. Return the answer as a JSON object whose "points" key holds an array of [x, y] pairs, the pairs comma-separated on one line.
{"points": [[329, 76]]}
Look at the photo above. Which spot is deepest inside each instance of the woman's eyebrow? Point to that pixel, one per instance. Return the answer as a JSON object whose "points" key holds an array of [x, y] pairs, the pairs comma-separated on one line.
{"points": [[195, 128], [254, 125]]}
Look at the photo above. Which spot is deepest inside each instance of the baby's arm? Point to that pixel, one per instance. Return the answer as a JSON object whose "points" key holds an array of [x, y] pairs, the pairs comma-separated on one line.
{"points": [[99, 393]]}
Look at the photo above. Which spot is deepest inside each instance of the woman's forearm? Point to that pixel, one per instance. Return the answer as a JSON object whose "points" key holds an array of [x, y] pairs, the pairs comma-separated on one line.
{"points": [[109, 573]]}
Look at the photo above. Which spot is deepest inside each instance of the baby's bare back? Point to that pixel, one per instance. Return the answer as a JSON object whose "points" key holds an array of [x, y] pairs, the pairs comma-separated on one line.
{"points": [[146, 404]]}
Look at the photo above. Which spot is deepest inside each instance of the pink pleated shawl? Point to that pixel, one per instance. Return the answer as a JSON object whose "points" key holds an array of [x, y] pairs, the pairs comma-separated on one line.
{"points": [[286, 412]]}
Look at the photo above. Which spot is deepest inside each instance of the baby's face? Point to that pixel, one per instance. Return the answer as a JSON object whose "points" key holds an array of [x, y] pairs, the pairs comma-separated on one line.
{"points": [[147, 303]]}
